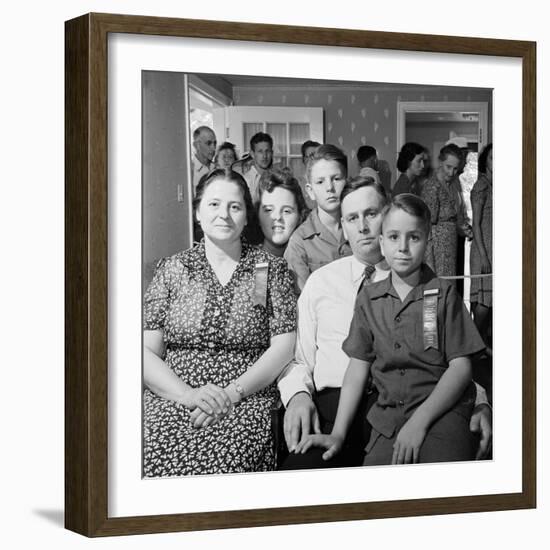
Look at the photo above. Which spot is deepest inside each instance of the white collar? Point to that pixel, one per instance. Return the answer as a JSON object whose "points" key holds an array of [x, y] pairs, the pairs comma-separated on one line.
{"points": [[358, 268]]}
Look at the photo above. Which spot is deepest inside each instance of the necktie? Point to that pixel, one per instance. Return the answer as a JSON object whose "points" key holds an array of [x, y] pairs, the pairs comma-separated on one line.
{"points": [[367, 273]]}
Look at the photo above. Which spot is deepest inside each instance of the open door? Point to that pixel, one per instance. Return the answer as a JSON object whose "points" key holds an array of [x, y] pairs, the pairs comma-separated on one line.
{"points": [[432, 123]]}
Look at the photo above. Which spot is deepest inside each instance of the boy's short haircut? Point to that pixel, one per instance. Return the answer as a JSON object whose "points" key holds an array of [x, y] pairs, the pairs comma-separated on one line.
{"points": [[413, 205], [327, 152], [260, 137]]}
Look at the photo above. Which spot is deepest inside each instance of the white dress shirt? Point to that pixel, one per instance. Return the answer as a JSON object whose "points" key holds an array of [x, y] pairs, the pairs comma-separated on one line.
{"points": [[325, 310], [199, 170]]}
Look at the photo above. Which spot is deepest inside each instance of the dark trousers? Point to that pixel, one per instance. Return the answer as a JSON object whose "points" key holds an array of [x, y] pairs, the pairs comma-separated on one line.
{"points": [[353, 450], [449, 439]]}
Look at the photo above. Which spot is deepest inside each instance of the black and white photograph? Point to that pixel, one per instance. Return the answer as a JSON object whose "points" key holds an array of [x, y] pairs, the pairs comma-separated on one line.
{"points": [[316, 274]]}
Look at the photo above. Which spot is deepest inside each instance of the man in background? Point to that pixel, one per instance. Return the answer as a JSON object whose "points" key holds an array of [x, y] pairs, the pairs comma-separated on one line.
{"points": [[204, 144], [261, 153], [367, 158]]}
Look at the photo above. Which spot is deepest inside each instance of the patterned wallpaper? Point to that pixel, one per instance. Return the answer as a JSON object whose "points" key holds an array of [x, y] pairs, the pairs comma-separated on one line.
{"points": [[356, 116]]}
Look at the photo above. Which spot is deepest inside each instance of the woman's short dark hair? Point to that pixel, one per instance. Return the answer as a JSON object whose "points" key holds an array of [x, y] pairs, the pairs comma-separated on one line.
{"points": [[229, 176], [260, 137], [327, 152], [410, 150], [353, 184], [283, 178], [450, 150], [413, 205], [227, 145], [482, 160]]}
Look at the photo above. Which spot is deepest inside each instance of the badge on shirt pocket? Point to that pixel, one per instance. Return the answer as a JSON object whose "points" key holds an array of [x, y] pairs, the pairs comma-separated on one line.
{"points": [[429, 319]]}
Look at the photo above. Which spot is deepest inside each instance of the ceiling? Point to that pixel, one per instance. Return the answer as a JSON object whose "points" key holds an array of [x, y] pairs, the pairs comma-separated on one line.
{"points": [[247, 81]]}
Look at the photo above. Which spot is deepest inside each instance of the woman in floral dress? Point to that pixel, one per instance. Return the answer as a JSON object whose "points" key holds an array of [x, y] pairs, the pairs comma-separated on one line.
{"points": [[219, 328], [441, 253]]}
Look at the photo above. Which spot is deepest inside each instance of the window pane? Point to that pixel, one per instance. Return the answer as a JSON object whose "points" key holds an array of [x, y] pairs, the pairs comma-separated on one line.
{"points": [[282, 162], [249, 129], [200, 107], [278, 133], [298, 134]]}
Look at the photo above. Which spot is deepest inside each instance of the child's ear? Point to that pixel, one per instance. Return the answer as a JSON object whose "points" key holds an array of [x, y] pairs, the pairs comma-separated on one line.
{"points": [[381, 245], [309, 191]]}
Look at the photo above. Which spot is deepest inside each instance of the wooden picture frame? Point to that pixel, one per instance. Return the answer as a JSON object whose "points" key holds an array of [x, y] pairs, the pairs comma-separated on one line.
{"points": [[86, 279]]}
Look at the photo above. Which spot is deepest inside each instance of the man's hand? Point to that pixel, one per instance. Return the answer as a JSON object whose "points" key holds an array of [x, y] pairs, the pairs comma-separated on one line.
{"points": [[301, 418], [482, 423]]}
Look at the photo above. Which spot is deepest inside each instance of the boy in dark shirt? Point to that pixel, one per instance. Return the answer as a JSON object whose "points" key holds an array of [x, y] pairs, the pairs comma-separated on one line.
{"points": [[413, 333]]}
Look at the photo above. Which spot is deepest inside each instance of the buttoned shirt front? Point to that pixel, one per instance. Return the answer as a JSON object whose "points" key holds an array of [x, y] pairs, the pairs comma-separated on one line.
{"points": [[199, 170], [325, 309], [312, 246], [389, 334]]}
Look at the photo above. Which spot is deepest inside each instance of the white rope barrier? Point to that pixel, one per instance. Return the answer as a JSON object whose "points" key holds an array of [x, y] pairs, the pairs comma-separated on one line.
{"points": [[475, 276]]}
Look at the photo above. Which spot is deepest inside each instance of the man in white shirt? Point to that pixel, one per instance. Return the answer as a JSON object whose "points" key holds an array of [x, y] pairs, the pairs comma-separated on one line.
{"points": [[204, 143], [310, 385], [261, 150]]}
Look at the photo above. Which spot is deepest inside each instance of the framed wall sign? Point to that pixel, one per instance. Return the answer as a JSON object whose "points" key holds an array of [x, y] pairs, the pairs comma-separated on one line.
{"points": [[138, 92]]}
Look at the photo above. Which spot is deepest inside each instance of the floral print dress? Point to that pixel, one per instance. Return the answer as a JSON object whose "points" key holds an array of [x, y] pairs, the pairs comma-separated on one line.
{"points": [[441, 253], [213, 334]]}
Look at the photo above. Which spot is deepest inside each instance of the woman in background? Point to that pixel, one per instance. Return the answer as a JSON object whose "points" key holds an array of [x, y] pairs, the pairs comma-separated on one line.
{"points": [[281, 209], [441, 254], [226, 155], [481, 289], [410, 163], [219, 326]]}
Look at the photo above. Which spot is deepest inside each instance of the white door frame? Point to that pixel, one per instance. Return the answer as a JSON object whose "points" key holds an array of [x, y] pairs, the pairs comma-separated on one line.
{"points": [[481, 107], [235, 116]]}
